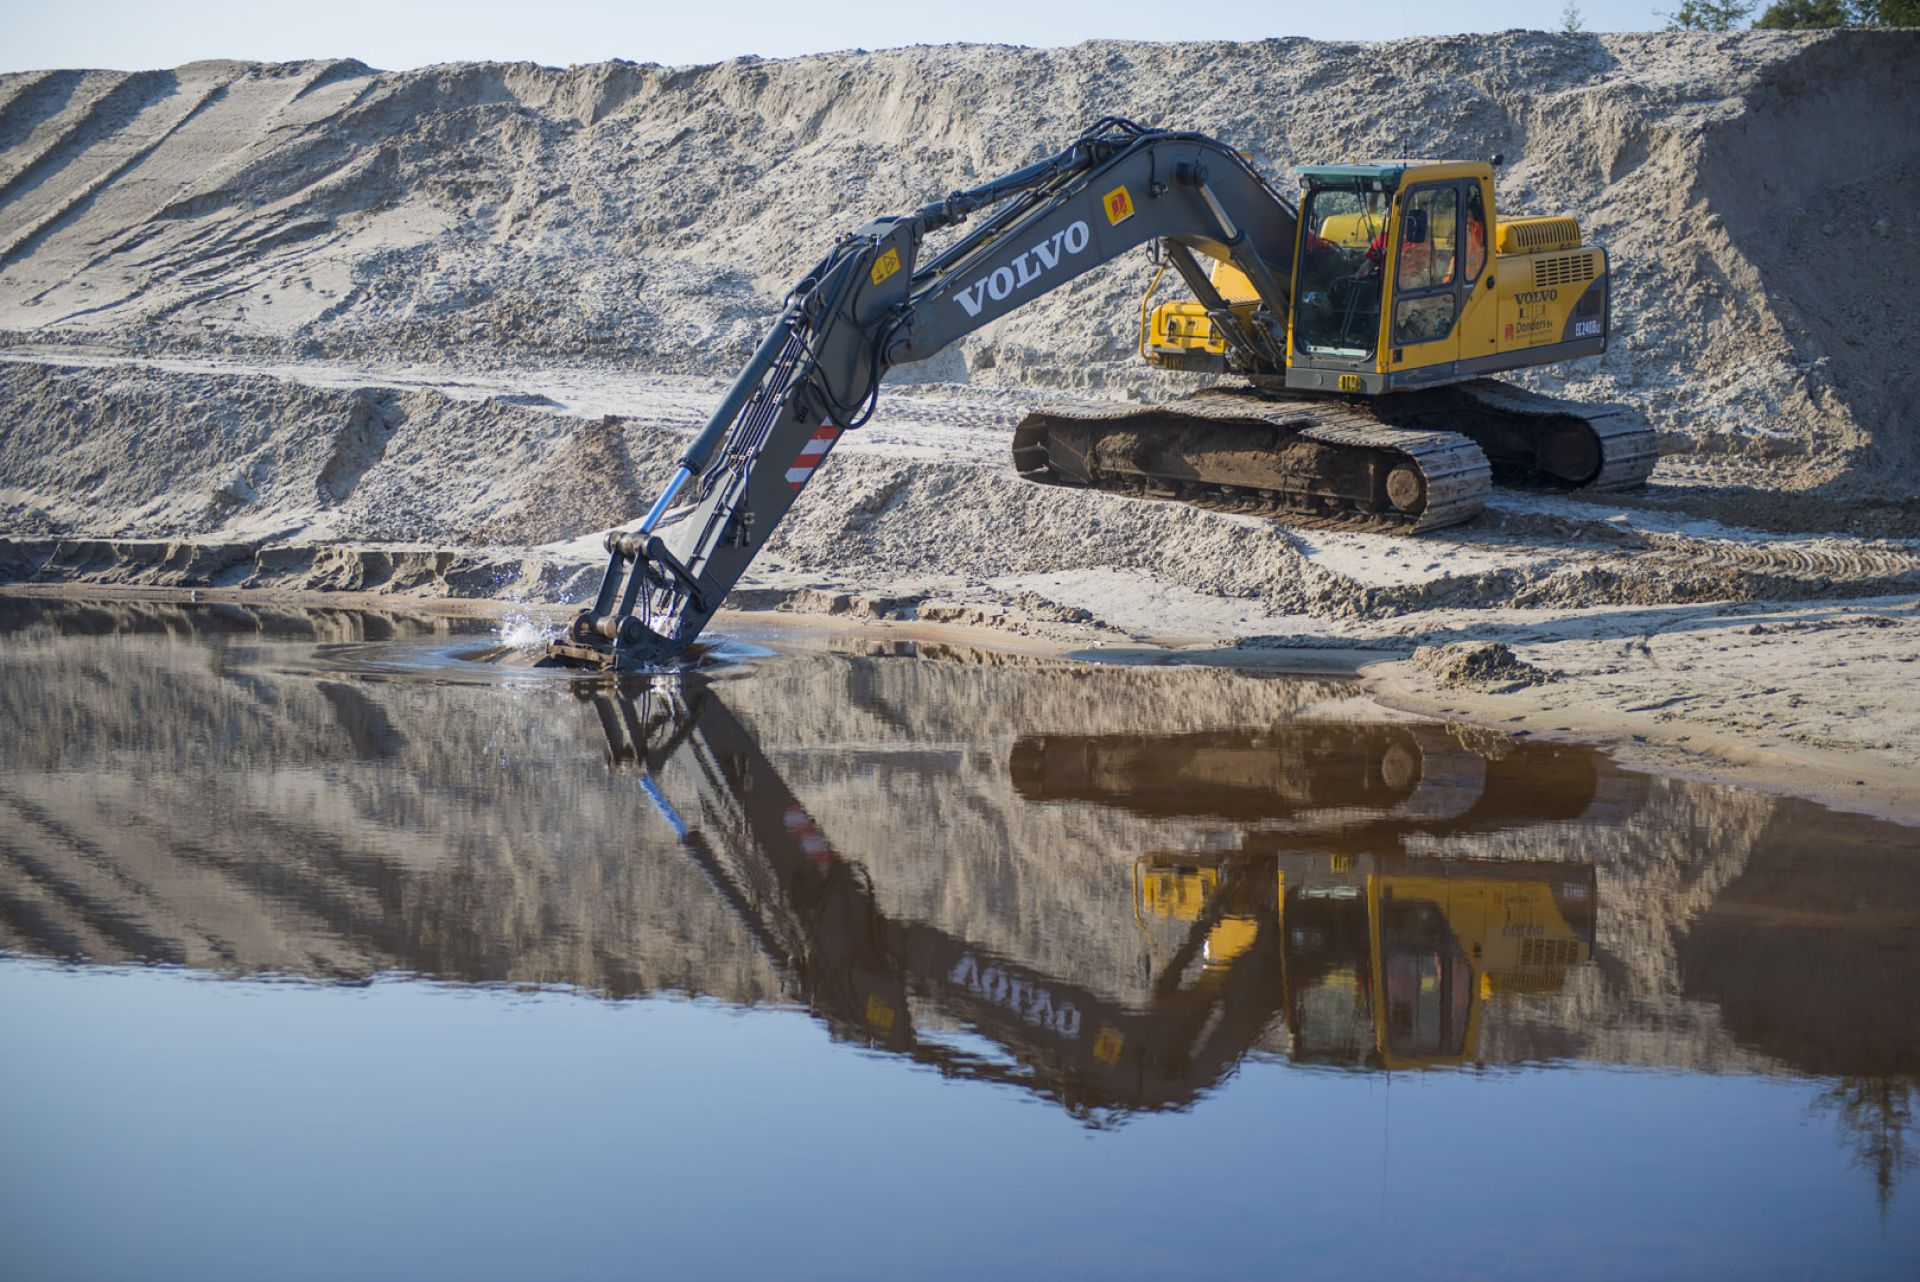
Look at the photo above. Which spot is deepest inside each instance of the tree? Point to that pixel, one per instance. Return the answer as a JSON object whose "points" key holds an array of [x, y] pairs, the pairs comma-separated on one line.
{"points": [[1889, 13], [1812, 15], [1875, 1114], [1799, 15], [1572, 21], [1709, 15]]}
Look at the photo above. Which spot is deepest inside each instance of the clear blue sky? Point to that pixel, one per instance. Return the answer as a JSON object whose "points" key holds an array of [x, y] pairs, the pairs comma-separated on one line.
{"points": [[397, 34]]}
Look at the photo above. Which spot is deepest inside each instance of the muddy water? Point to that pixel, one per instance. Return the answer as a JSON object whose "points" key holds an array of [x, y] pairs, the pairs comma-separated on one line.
{"points": [[328, 949]]}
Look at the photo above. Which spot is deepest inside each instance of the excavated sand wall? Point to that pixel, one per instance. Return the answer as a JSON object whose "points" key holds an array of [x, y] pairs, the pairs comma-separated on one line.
{"points": [[146, 476], [1754, 190]]}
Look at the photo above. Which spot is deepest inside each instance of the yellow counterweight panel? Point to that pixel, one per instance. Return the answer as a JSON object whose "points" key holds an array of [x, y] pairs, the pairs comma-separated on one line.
{"points": [[1537, 295]]}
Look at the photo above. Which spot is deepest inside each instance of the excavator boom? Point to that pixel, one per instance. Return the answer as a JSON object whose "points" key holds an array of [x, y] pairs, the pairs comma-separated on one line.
{"points": [[892, 981]]}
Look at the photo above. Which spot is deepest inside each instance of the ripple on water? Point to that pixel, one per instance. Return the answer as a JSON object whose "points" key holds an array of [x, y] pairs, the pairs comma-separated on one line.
{"points": [[485, 659]]}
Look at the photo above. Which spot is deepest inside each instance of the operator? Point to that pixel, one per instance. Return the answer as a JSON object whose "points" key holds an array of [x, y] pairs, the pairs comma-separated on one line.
{"points": [[1376, 259]]}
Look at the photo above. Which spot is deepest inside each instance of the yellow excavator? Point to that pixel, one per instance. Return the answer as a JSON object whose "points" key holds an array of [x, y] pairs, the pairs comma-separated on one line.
{"points": [[1398, 312], [1363, 324], [1309, 908]]}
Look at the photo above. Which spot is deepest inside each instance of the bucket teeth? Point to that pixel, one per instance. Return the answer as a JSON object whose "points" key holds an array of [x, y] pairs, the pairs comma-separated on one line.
{"points": [[641, 651], [587, 658]]}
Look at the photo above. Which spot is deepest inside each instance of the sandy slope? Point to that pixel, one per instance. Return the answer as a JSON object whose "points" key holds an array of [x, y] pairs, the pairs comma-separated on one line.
{"points": [[304, 478], [1750, 188]]}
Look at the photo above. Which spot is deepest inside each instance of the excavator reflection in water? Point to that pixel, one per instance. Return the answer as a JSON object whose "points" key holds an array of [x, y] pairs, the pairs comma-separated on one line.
{"points": [[1387, 949], [1324, 914]]}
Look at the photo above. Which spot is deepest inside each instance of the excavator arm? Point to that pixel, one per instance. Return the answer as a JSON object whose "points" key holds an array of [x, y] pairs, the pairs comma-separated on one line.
{"points": [[872, 304]]}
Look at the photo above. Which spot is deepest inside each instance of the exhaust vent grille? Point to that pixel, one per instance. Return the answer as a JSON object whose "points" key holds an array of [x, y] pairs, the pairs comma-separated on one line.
{"points": [[1564, 270], [1549, 952]]}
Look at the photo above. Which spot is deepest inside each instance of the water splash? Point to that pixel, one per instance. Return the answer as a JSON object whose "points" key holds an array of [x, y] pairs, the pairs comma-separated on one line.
{"points": [[526, 630]]}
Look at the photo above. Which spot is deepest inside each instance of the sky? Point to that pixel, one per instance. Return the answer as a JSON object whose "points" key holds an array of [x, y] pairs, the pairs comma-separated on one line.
{"points": [[400, 34]]}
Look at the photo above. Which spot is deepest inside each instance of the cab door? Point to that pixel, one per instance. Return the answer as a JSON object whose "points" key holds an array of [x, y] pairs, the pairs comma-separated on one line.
{"points": [[1429, 294], [1479, 308]]}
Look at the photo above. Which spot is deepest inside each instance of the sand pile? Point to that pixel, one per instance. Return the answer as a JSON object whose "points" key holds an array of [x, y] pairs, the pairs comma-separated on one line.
{"points": [[136, 453], [1752, 188], [1480, 665]]}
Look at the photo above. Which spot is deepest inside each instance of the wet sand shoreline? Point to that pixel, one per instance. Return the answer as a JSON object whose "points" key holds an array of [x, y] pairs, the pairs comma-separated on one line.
{"points": [[1878, 782]]}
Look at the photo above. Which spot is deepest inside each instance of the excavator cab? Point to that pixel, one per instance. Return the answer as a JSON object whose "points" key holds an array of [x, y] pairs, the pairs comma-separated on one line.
{"points": [[1341, 274], [1403, 280], [1339, 285]]}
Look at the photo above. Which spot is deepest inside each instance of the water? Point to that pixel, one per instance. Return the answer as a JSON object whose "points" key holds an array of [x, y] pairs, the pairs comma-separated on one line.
{"points": [[333, 949]]}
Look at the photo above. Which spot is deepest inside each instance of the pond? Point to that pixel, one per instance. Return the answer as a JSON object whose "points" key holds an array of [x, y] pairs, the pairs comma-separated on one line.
{"points": [[330, 947]]}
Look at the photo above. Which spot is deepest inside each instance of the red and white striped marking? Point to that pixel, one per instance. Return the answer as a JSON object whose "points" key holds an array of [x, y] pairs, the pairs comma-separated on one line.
{"points": [[812, 454], [813, 842]]}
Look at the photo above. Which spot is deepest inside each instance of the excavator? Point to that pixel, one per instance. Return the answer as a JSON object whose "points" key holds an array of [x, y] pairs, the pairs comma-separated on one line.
{"points": [[1361, 324], [904, 986]]}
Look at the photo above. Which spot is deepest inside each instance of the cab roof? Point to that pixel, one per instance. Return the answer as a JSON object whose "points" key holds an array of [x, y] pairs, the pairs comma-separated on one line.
{"points": [[1389, 173]]}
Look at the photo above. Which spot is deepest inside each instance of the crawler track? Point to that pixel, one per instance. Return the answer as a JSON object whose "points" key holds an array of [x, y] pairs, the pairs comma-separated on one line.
{"points": [[1309, 462], [1533, 440], [1408, 463]]}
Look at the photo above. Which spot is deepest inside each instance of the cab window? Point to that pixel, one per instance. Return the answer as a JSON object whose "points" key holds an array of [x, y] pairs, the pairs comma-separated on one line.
{"points": [[1428, 238], [1343, 249], [1476, 234], [1429, 259], [1423, 320]]}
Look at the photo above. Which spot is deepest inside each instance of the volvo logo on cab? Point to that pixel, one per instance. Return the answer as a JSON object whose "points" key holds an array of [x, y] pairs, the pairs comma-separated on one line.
{"points": [[1024, 270]]}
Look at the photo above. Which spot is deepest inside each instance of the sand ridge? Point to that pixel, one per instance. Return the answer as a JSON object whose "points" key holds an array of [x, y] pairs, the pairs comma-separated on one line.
{"points": [[1748, 187]]}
